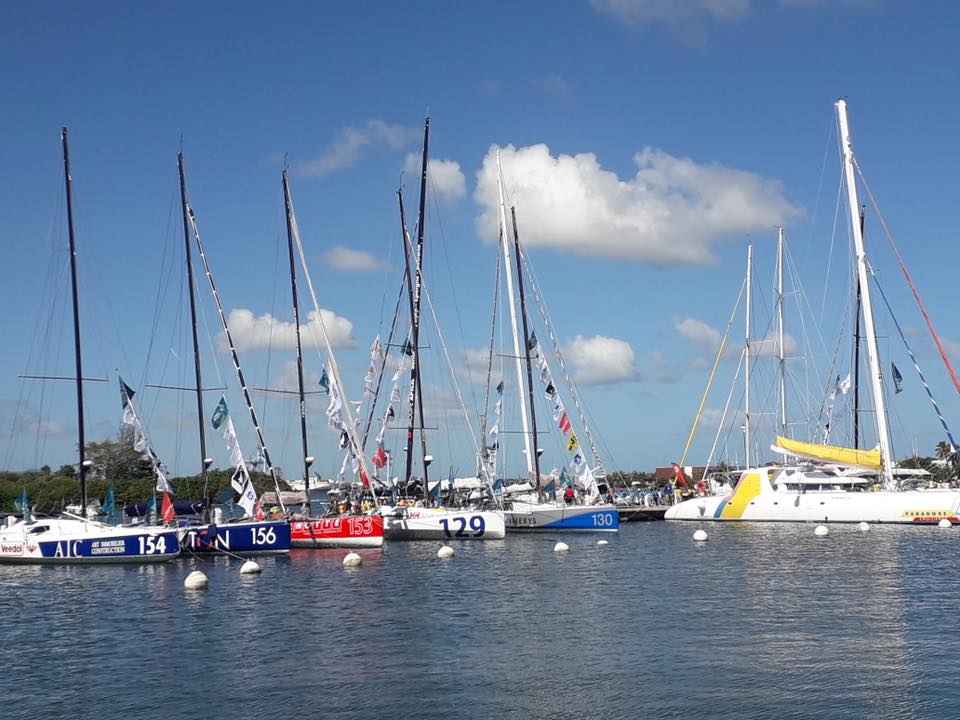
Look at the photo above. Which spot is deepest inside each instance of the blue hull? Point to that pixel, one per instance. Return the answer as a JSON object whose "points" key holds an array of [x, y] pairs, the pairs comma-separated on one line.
{"points": [[146, 547], [582, 518], [242, 538]]}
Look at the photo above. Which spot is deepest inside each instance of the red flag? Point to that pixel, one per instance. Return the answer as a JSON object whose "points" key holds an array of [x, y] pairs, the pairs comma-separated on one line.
{"points": [[258, 512], [380, 458], [167, 509], [364, 478], [564, 423], [680, 478]]}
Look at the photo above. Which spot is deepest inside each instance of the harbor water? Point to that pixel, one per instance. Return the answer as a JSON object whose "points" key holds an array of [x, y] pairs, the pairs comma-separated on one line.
{"points": [[760, 621]]}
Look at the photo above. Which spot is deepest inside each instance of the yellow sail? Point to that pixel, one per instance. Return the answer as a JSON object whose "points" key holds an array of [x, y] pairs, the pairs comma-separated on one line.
{"points": [[830, 453]]}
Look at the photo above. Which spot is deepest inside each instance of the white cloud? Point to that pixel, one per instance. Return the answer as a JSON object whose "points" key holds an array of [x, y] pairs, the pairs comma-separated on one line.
{"points": [[250, 332], [601, 359], [446, 178], [698, 332], [637, 13], [352, 142], [344, 258], [672, 211]]}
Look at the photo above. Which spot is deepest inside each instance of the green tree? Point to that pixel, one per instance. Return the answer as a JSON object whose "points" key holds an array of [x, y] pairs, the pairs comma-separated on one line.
{"points": [[117, 459]]}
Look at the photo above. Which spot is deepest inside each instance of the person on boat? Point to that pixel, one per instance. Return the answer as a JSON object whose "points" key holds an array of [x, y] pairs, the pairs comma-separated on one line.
{"points": [[568, 495]]}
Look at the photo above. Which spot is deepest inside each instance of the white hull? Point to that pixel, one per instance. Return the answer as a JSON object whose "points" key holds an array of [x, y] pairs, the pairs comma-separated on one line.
{"points": [[755, 499], [68, 540], [439, 524], [544, 517]]}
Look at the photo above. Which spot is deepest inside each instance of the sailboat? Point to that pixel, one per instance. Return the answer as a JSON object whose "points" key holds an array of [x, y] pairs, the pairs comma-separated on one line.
{"points": [[71, 538], [530, 508], [346, 530], [832, 483], [247, 536], [427, 519]]}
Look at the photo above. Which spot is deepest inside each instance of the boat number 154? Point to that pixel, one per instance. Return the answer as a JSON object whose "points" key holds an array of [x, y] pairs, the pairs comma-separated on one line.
{"points": [[477, 525]]}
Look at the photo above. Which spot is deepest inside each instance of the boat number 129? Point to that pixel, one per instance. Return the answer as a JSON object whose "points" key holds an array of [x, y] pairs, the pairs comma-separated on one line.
{"points": [[477, 525]]}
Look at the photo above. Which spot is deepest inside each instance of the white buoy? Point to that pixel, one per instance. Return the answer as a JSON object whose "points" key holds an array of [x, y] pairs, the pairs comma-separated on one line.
{"points": [[603, 542], [561, 547], [945, 523], [445, 552], [196, 581], [352, 560], [821, 531], [700, 535], [864, 527], [250, 568]]}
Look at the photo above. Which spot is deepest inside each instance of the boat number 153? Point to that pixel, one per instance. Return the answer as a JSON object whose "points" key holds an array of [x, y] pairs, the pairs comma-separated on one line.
{"points": [[476, 522]]}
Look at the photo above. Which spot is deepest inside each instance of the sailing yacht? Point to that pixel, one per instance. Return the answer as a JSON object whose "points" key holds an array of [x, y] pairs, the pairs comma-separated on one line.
{"points": [[532, 510], [344, 530], [426, 519], [250, 535], [827, 483], [72, 538]]}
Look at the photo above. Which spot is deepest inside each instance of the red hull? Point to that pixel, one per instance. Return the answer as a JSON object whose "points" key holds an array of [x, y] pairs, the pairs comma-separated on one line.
{"points": [[364, 531]]}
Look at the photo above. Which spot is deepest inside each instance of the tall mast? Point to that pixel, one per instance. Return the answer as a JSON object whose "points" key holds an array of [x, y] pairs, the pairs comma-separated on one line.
{"points": [[780, 351], [416, 396], [856, 362], [505, 244], [196, 339], [526, 348], [746, 374], [307, 460], [76, 324], [876, 377]]}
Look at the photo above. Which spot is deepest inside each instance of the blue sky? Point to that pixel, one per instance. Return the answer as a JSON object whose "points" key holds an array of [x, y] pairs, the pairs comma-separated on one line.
{"points": [[646, 143]]}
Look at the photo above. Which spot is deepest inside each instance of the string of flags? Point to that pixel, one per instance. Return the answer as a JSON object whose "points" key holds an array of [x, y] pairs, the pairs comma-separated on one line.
{"points": [[240, 480], [140, 442]]}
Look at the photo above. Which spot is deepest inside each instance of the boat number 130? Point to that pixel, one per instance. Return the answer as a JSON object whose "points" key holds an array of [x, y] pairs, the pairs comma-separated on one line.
{"points": [[477, 525]]}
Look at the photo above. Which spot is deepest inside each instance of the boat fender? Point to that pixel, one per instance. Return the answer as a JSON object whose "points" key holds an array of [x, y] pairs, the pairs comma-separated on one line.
{"points": [[445, 552], [945, 523], [196, 581], [700, 535], [250, 567], [352, 560], [821, 531], [603, 542], [561, 547], [864, 527]]}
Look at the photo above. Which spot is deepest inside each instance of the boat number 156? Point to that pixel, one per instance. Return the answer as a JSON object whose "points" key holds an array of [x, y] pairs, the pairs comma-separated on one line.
{"points": [[477, 525]]}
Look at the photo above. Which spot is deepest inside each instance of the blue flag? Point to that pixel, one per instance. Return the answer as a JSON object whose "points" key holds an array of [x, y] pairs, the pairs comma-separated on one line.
{"points": [[219, 413], [897, 380], [324, 381], [152, 505], [126, 393], [550, 490], [21, 504], [564, 479], [109, 503]]}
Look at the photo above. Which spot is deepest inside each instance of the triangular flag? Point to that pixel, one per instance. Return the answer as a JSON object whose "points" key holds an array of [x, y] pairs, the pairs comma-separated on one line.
{"points": [[167, 511], [897, 380]]}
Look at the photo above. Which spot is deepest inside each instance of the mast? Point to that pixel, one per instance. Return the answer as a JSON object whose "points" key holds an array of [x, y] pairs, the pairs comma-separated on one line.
{"points": [[196, 339], [780, 350], [307, 460], [414, 286], [526, 348], [505, 244], [876, 377], [76, 323], [746, 374], [856, 362]]}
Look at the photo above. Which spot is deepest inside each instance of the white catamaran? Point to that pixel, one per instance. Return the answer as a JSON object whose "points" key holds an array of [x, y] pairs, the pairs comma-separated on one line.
{"points": [[830, 483]]}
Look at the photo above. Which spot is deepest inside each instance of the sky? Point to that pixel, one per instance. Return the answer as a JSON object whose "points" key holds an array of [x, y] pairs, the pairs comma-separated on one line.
{"points": [[644, 143]]}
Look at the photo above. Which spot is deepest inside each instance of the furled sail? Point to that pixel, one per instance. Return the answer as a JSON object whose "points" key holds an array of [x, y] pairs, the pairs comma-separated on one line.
{"points": [[831, 453]]}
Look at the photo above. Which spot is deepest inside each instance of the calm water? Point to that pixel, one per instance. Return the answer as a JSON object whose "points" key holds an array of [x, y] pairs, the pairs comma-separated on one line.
{"points": [[761, 621]]}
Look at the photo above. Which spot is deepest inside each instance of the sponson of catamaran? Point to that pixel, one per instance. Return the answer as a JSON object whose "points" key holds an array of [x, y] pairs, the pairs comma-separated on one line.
{"points": [[834, 484], [71, 538], [539, 509]]}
